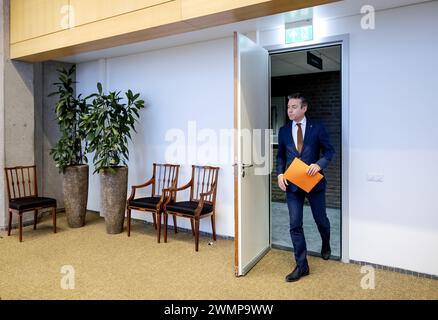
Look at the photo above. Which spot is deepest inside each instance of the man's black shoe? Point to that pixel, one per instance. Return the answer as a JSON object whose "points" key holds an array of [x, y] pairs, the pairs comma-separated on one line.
{"points": [[297, 273], [326, 251]]}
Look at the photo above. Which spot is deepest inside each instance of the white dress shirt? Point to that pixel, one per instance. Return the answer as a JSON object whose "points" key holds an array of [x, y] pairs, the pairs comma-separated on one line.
{"points": [[295, 130]]}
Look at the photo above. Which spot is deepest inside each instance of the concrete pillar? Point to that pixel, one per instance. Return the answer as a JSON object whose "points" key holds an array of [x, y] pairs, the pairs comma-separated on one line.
{"points": [[3, 196], [17, 111]]}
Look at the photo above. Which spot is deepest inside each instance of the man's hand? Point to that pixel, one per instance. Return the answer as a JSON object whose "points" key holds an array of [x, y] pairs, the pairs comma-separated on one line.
{"points": [[313, 169], [282, 183]]}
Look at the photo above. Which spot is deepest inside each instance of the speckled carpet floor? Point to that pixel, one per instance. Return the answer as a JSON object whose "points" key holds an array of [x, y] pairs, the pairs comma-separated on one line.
{"points": [[117, 267]]}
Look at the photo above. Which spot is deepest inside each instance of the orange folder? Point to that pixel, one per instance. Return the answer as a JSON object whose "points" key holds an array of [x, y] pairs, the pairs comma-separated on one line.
{"points": [[297, 174]]}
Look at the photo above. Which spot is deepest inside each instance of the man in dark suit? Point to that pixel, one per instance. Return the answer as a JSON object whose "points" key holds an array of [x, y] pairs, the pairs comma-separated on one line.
{"points": [[307, 140]]}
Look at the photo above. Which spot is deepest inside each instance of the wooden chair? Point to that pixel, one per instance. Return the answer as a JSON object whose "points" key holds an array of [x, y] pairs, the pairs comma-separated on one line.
{"points": [[23, 196], [163, 176], [203, 187]]}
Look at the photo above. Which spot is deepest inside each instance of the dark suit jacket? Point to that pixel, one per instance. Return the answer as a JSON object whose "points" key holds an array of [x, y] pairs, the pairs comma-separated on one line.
{"points": [[316, 149]]}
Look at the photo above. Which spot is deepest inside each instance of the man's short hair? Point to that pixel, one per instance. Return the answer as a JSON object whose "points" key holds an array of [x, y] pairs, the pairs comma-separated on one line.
{"points": [[304, 102]]}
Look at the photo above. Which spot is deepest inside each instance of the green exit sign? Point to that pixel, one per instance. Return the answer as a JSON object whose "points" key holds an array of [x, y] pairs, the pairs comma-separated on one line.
{"points": [[299, 34]]}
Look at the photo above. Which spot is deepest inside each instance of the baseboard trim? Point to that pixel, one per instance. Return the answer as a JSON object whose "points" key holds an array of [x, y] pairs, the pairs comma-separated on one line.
{"points": [[201, 233], [363, 263], [394, 269], [60, 210]]}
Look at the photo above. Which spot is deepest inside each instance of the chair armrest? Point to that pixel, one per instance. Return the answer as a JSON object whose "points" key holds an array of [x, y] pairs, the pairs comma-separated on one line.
{"points": [[135, 187], [180, 188], [199, 207], [202, 199], [205, 194], [170, 193]]}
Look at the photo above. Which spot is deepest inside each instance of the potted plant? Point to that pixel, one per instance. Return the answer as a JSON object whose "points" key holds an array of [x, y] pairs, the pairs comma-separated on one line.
{"points": [[107, 125], [68, 152]]}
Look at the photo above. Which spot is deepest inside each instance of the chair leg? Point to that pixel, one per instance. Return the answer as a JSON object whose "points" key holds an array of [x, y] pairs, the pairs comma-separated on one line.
{"points": [[10, 223], [155, 221], [20, 222], [158, 225], [213, 227], [174, 224], [54, 219], [196, 234], [35, 219], [128, 213], [165, 226], [193, 227]]}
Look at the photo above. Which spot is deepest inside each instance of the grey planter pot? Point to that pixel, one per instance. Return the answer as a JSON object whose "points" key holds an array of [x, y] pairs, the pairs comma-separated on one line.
{"points": [[75, 188], [113, 191]]}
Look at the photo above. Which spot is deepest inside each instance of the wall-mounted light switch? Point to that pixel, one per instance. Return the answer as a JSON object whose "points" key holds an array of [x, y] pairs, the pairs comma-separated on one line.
{"points": [[375, 177]]}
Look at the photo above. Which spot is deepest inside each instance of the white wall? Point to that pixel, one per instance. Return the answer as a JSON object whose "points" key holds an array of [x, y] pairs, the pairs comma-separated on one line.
{"points": [[180, 84], [392, 123], [394, 132]]}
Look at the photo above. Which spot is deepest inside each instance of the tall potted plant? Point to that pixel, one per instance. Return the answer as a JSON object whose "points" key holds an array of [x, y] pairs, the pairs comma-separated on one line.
{"points": [[108, 124], [68, 152]]}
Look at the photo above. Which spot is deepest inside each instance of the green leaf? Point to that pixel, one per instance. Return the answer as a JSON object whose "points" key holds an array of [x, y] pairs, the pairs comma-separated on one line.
{"points": [[70, 111], [99, 87], [107, 125]]}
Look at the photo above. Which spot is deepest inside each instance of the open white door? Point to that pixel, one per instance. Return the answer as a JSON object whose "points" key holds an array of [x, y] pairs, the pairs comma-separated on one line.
{"points": [[252, 155]]}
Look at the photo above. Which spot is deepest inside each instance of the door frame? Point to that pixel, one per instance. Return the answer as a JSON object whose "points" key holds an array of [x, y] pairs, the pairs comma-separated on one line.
{"points": [[343, 41]]}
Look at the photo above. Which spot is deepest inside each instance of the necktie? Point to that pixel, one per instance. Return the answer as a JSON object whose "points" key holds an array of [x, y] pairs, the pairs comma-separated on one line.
{"points": [[299, 138]]}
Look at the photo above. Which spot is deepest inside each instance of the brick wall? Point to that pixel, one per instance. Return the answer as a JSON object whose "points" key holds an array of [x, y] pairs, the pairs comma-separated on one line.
{"points": [[323, 90]]}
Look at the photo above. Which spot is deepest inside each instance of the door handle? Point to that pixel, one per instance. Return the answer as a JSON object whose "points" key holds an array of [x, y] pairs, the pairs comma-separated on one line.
{"points": [[244, 166]]}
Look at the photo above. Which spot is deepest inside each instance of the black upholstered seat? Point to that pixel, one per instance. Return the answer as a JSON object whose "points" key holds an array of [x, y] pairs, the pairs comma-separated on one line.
{"points": [[188, 207], [23, 204], [147, 202]]}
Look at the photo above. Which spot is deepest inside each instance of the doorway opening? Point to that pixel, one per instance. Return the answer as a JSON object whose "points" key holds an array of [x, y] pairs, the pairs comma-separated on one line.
{"points": [[316, 73]]}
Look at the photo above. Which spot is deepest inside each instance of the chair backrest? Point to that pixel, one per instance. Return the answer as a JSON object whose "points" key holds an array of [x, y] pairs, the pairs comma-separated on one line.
{"points": [[21, 182], [204, 179], [165, 176]]}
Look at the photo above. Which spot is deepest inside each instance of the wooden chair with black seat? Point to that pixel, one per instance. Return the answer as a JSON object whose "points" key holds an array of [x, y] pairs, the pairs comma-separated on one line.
{"points": [[202, 203], [163, 176], [23, 196]]}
